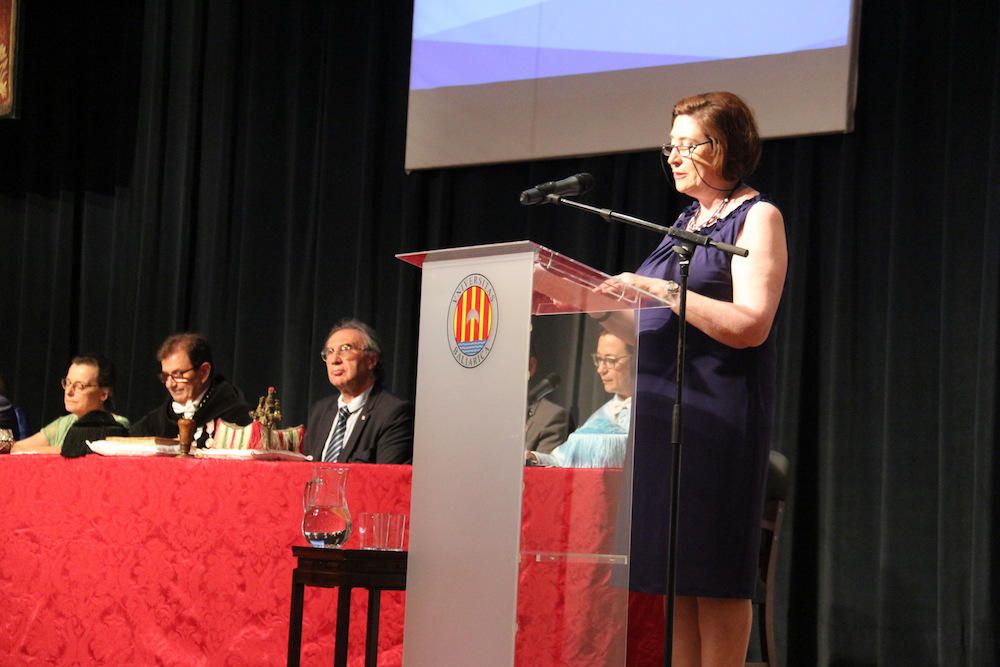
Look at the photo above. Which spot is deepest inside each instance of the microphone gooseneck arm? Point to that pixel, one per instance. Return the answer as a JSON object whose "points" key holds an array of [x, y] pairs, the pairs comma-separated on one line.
{"points": [[675, 232]]}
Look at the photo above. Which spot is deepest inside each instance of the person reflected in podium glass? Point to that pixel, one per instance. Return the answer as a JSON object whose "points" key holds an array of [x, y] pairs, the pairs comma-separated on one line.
{"points": [[196, 392], [362, 423], [602, 440], [8, 417], [729, 383], [87, 388], [547, 423]]}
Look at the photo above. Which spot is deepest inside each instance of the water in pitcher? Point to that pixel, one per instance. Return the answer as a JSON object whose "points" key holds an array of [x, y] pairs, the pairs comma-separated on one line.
{"points": [[326, 526]]}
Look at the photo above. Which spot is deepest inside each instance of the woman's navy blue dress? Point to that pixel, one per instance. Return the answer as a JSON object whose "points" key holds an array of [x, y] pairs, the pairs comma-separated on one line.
{"points": [[727, 416]]}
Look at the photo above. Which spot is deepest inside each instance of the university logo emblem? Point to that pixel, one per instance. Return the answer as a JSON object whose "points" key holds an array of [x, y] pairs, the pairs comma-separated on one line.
{"points": [[472, 320]]}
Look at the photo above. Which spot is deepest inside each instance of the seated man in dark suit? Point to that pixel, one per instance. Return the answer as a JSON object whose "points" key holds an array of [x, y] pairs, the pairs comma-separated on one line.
{"points": [[363, 423], [195, 392], [548, 424]]}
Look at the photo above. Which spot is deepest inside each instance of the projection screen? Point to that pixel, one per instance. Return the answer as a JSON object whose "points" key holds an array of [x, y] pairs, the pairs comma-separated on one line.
{"points": [[512, 80]]}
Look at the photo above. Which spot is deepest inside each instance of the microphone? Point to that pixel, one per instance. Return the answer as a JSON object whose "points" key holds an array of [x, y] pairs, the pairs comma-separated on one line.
{"points": [[574, 185], [544, 388]]}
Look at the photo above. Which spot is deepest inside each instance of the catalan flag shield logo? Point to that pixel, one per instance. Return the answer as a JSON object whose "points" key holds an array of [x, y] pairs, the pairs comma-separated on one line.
{"points": [[472, 320]]}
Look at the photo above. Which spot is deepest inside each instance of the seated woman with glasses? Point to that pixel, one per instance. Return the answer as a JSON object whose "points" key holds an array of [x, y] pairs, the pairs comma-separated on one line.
{"points": [[87, 388], [601, 441]]}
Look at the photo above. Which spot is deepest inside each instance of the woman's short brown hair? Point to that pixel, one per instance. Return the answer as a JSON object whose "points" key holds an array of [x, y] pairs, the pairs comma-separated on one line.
{"points": [[730, 124], [105, 368]]}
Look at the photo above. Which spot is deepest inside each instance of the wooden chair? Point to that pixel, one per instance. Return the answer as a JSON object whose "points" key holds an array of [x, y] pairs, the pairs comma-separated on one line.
{"points": [[774, 510]]}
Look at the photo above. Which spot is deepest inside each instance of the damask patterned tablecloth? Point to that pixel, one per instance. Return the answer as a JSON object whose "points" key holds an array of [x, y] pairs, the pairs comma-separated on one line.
{"points": [[164, 561]]}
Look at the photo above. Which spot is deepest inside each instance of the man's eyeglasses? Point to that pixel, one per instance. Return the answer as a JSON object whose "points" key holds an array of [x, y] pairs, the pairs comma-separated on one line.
{"points": [[176, 376], [75, 386], [609, 360], [684, 150], [346, 351]]}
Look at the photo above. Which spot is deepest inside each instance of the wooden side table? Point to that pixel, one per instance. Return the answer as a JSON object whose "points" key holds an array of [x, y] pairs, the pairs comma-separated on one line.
{"points": [[345, 569]]}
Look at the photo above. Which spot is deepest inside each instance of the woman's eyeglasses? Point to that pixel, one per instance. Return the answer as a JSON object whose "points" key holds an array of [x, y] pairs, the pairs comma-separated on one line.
{"points": [[75, 386], [685, 150], [609, 360]]}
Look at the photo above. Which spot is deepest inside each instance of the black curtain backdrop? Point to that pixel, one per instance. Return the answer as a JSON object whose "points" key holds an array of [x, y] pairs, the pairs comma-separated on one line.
{"points": [[236, 168]]}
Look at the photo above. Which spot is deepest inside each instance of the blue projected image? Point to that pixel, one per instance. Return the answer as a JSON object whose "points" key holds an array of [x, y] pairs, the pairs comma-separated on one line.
{"points": [[458, 43]]}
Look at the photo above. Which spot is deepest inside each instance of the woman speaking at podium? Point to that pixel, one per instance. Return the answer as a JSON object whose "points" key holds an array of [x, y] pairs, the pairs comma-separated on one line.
{"points": [[729, 384]]}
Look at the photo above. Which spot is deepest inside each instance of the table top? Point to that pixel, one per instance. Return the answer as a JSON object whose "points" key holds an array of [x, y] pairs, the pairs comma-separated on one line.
{"points": [[384, 556], [352, 568]]}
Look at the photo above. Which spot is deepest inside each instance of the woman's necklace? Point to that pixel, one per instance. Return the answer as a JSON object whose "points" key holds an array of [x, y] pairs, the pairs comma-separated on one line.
{"points": [[695, 226]]}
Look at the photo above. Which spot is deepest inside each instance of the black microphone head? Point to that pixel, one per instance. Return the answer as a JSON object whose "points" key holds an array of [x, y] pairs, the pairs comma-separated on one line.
{"points": [[586, 182], [553, 379], [574, 185], [531, 197], [544, 388]]}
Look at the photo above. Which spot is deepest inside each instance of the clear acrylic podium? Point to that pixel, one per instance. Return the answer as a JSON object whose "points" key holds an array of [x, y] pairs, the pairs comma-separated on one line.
{"points": [[474, 571]]}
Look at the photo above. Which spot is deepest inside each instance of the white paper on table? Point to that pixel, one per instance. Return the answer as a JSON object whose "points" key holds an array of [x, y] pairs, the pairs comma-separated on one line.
{"points": [[106, 448], [255, 454]]}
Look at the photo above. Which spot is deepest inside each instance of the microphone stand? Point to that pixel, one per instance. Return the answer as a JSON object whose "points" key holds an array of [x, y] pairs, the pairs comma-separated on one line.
{"points": [[679, 234], [687, 242]]}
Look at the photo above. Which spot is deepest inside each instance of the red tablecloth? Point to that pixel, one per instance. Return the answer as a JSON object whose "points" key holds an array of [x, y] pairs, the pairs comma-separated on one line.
{"points": [[142, 561]]}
